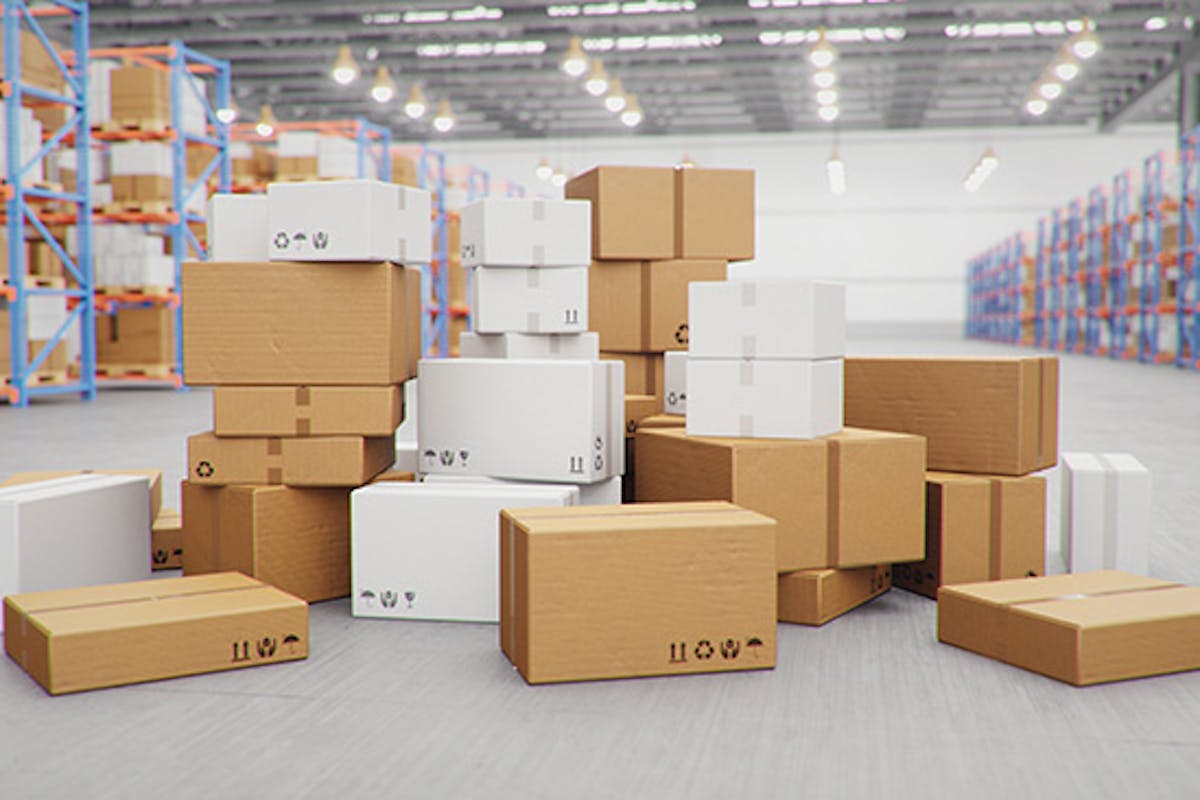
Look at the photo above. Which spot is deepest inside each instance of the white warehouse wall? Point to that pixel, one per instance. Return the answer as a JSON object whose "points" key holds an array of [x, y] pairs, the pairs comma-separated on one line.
{"points": [[901, 235]]}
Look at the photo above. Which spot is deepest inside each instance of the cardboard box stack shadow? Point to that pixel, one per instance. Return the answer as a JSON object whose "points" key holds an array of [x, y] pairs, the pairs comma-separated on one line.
{"points": [[306, 352]]}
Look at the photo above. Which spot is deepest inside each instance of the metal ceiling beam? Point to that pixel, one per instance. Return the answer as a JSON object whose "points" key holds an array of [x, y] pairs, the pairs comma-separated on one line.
{"points": [[1132, 102]]}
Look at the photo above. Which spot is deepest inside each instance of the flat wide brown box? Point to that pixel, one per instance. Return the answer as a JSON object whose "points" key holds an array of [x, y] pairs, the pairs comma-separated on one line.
{"points": [[848, 500], [1088, 628], [140, 93], [297, 461], [714, 213], [815, 596], [295, 539], [989, 415], [642, 306], [299, 324], [598, 592], [141, 188], [136, 336], [307, 410], [78, 639], [633, 211], [166, 540]]}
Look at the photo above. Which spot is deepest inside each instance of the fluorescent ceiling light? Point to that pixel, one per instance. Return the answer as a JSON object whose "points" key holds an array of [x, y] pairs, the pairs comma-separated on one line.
{"points": [[1066, 71], [761, 4], [1017, 28], [1155, 24], [1037, 106], [1050, 89], [530, 47], [824, 78], [874, 35], [827, 113], [614, 9], [686, 41], [417, 16]]}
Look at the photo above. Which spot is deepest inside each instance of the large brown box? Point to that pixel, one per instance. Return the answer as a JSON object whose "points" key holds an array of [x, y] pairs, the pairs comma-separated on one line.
{"points": [[633, 211], [815, 596], [73, 640], [714, 213], [1087, 628], [642, 306], [990, 415], [307, 410], [37, 65], [643, 371], [140, 93], [296, 539], [166, 540], [300, 323], [56, 361], [136, 336], [848, 500], [41, 260], [597, 592], [302, 461]]}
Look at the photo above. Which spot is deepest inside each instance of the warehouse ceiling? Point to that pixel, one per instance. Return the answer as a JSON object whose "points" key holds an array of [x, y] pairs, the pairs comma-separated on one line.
{"points": [[696, 66]]}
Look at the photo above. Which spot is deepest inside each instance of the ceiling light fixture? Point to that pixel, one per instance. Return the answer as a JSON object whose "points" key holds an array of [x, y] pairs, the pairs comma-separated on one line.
{"points": [[544, 171], [615, 100], [384, 88], [597, 80], [574, 61], [631, 117], [984, 167], [266, 122], [822, 54], [1084, 45], [443, 120], [1066, 70], [828, 113], [1155, 24], [416, 104], [559, 177], [1050, 90], [835, 171], [827, 97], [345, 69], [824, 78], [1036, 107], [229, 114]]}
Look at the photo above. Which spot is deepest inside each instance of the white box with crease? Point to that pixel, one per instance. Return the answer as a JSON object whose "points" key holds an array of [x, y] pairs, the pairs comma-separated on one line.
{"points": [[764, 399], [514, 232], [767, 318], [529, 300]]}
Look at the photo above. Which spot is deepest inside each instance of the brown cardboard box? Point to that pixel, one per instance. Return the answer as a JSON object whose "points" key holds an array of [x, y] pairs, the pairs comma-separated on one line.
{"points": [[166, 540], [37, 65], [404, 170], [395, 475], [633, 211], [641, 306], [56, 360], [141, 94], [310, 461], [141, 188], [296, 167], [663, 421], [596, 592], [307, 410], [77, 639], [815, 596], [136, 336], [847, 500], [41, 261], [152, 476], [199, 156], [714, 213], [1088, 628], [244, 169], [990, 415], [295, 539], [300, 323], [639, 407], [643, 371]]}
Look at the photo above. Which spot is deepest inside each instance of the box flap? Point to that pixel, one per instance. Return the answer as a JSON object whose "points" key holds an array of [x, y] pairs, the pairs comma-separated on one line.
{"points": [[1055, 587]]}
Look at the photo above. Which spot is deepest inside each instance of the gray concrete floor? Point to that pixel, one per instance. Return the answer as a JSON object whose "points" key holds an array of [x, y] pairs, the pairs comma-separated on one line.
{"points": [[869, 705]]}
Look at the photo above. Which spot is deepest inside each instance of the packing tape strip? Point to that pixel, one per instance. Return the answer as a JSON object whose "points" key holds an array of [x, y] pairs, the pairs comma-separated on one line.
{"points": [[274, 446], [275, 475], [1089, 595], [533, 322], [303, 426], [746, 426], [539, 255], [555, 344], [402, 247], [303, 396], [533, 279], [749, 295], [746, 373], [402, 198], [539, 210], [749, 346]]}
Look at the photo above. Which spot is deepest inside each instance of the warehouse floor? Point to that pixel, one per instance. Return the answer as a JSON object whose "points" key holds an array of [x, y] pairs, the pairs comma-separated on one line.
{"points": [[869, 705]]}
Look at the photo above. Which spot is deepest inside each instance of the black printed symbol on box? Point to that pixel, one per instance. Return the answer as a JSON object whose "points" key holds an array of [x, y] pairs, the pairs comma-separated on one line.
{"points": [[204, 469], [282, 241], [730, 649], [290, 641], [631, 425], [299, 236], [672, 398], [161, 556], [388, 598], [599, 444], [598, 462], [704, 650], [678, 652], [577, 463], [681, 333], [430, 456], [320, 240], [266, 647], [463, 455], [754, 641], [409, 597], [243, 654], [446, 457], [571, 316], [368, 598]]}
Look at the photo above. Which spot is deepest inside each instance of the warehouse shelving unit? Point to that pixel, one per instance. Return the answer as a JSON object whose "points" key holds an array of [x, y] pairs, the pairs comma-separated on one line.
{"points": [[1188, 287], [435, 279], [27, 204], [374, 141], [1120, 267], [1096, 231]]}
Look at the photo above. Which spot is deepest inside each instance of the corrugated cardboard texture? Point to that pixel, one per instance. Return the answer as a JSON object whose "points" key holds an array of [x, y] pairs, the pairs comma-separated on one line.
{"points": [[295, 539], [641, 306], [815, 596], [307, 410], [597, 592], [140, 93], [1083, 629], [154, 476], [313, 461], [298, 323], [633, 211], [136, 336], [1018, 527], [639, 407], [714, 213], [166, 540], [643, 371], [78, 639], [988, 415]]}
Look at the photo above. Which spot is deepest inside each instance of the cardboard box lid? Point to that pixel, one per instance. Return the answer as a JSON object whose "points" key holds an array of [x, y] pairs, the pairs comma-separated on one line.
{"points": [[637, 517]]}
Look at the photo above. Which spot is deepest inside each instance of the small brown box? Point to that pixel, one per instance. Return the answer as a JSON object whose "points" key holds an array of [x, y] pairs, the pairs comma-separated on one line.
{"points": [[714, 213], [136, 336], [166, 540], [311, 461], [404, 170], [633, 211], [642, 306], [643, 371], [637, 408], [307, 410], [815, 596]]}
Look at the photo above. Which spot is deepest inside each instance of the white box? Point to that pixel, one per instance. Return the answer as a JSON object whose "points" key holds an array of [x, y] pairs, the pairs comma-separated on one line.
{"points": [[515, 232], [356, 220], [427, 551], [604, 493], [77, 531], [297, 144], [767, 318], [141, 158], [675, 382], [580, 346], [407, 432], [1106, 513], [237, 228], [406, 457], [529, 299], [558, 421], [799, 399]]}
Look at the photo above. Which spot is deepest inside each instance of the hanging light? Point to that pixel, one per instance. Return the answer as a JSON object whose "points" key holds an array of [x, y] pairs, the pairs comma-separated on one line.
{"points": [[443, 120], [615, 100], [559, 177], [984, 167], [345, 68], [827, 97], [266, 121], [1036, 106], [686, 162], [1066, 70], [822, 54], [631, 117], [1085, 44], [544, 171], [416, 105], [229, 114], [828, 113], [574, 61], [824, 78], [1050, 89], [597, 80], [384, 88], [835, 171]]}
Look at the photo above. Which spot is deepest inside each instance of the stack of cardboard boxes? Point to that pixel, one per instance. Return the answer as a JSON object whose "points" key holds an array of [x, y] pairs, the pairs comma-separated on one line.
{"points": [[310, 156]]}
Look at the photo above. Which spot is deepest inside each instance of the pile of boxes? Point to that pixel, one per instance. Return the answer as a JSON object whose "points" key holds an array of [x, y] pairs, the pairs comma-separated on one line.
{"points": [[307, 155]]}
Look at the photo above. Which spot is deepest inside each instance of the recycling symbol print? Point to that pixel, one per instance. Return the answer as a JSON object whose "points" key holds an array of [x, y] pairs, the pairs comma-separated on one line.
{"points": [[681, 333], [204, 469], [282, 241]]}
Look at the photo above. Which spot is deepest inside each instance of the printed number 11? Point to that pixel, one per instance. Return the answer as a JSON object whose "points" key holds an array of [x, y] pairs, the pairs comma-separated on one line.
{"points": [[571, 316]]}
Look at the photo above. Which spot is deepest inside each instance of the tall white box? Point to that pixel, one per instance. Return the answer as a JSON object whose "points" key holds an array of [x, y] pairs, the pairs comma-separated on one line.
{"points": [[764, 399], [766, 318], [583, 346], [355, 220], [529, 299], [429, 551], [1106, 513], [675, 382], [558, 421], [515, 232], [604, 493], [77, 531], [238, 228]]}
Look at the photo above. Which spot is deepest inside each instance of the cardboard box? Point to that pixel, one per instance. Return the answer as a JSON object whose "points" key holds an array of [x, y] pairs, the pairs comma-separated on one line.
{"points": [[140, 94], [526, 420], [404, 170], [848, 500], [37, 65], [1106, 513], [643, 371], [990, 415], [674, 383], [1083, 629], [516, 232], [300, 324], [153, 478], [238, 227], [642, 306], [815, 596], [637, 408], [584, 346], [166, 540], [429, 551], [764, 399], [349, 220], [136, 336], [78, 639], [978, 528], [135, 189], [633, 211], [75, 531], [605, 592], [603, 493], [295, 539], [529, 300], [767, 318], [42, 261], [296, 167], [306, 410], [714, 213], [305, 461]]}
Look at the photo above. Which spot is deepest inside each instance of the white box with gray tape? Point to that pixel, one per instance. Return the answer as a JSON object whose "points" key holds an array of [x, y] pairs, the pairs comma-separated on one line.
{"points": [[515, 232], [767, 318], [529, 299], [1106, 512], [675, 382], [794, 399], [585, 345]]}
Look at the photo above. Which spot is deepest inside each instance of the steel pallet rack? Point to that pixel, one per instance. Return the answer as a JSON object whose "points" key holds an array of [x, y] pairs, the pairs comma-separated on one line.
{"points": [[1187, 293], [1054, 282], [25, 204], [1073, 306], [435, 283], [1040, 269], [1121, 264], [374, 141], [1097, 230], [1155, 206]]}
